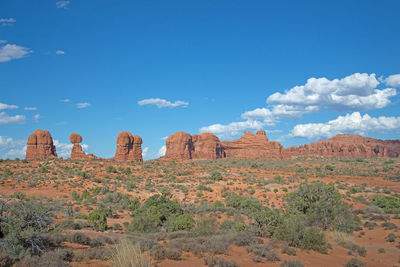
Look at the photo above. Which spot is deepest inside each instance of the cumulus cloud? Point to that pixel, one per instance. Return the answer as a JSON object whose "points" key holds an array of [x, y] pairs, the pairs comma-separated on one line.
{"points": [[5, 119], [36, 117], [30, 108], [83, 105], [6, 106], [62, 4], [233, 128], [9, 52], [162, 103], [355, 92], [64, 149], [352, 123], [161, 151], [65, 100], [7, 22], [3, 41], [60, 52], [10, 148], [145, 151], [393, 80]]}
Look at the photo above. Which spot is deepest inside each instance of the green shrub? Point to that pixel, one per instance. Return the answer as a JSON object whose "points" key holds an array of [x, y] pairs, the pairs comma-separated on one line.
{"points": [[323, 207], [387, 203], [182, 222], [98, 220]]}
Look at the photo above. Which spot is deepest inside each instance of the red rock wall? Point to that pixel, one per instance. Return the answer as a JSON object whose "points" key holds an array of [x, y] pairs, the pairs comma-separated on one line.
{"points": [[128, 149]]}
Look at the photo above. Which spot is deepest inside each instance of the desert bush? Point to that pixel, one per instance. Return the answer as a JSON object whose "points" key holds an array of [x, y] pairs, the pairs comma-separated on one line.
{"points": [[128, 254], [323, 207], [213, 261], [173, 254], [205, 226], [388, 203], [158, 252], [21, 226], [288, 250], [354, 263], [98, 220], [291, 263], [79, 238], [263, 251], [181, 222], [294, 231]]}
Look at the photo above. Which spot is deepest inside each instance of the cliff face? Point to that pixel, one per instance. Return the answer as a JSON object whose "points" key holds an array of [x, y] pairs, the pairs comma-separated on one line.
{"points": [[348, 145], [207, 146], [252, 146], [40, 146]]}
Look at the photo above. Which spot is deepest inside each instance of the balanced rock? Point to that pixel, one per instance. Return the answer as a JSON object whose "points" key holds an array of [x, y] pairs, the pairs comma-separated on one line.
{"points": [[40, 146], [77, 151], [129, 147]]}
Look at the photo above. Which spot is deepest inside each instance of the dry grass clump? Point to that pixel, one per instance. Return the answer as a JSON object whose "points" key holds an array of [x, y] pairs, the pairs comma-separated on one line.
{"points": [[128, 254]]}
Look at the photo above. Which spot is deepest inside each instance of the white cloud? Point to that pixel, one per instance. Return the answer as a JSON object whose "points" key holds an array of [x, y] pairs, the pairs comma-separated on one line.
{"points": [[162, 103], [10, 148], [164, 138], [64, 149], [5, 119], [161, 151], [65, 100], [60, 52], [3, 41], [354, 92], [144, 151], [232, 129], [11, 51], [393, 80], [36, 117], [350, 123], [7, 22], [62, 4], [30, 108], [6, 106], [82, 105]]}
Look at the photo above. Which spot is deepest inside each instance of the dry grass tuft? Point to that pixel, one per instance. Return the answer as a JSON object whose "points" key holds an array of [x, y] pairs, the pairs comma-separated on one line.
{"points": [[128, 254]]}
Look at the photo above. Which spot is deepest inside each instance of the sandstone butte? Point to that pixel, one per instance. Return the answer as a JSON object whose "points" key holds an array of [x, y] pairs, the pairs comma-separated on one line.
{"points": [[183, 146], [129, 147], [77, 151], [40, 146]]}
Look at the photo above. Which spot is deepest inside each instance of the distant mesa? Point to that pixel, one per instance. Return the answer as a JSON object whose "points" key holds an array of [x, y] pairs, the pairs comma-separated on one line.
{"points": [[348, 145], [205, 146], [77, 151], [129, 147], [40, 146]]}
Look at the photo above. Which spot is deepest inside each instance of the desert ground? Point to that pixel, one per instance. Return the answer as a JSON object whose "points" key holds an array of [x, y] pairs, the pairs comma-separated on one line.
{"points": [[306, 211]]}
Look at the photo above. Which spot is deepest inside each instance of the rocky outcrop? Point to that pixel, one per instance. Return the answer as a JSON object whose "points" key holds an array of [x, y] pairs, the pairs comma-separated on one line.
{"points": [[40, 146], [348, 145], [252, 146], [179, 146], [208, 146], [129, 147], [77, 151]]}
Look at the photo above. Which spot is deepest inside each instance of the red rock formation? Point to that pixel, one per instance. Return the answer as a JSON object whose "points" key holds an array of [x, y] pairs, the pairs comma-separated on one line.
{"points": [[40, 146], [207, 146], [348, 145], [179, 146], [128, 148], [77, 151], [253, 146]]}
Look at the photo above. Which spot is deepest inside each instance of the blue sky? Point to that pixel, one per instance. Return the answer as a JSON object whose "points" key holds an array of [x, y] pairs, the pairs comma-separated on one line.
{"points": [[302, 70]]}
